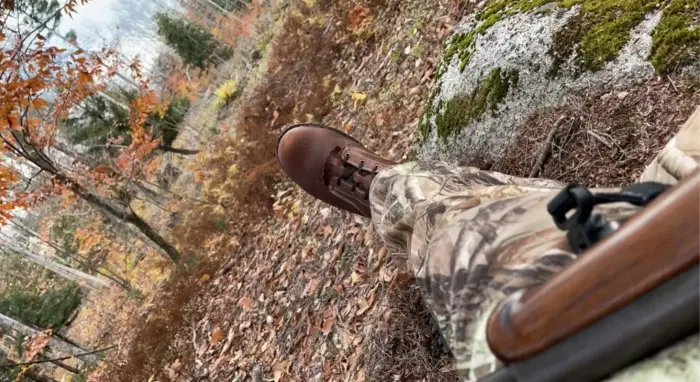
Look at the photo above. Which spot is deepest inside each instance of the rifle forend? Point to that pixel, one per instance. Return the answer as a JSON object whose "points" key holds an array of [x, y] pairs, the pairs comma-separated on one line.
{"points": [[654, 246]]}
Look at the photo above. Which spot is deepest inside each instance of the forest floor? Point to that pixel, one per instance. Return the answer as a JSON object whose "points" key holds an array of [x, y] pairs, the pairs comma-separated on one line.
{"points": [[280, 287]]}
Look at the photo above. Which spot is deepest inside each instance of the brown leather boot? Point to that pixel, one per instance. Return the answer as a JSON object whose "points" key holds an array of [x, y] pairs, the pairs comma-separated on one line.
{"points": [[329, 165]]}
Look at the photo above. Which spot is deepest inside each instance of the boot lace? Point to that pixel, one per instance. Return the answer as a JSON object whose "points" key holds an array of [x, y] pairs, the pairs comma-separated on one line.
{"points": [[350, 170]]}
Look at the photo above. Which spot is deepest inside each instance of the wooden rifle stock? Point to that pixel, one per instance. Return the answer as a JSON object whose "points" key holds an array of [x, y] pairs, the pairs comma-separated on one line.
{"points": [[655, 245]]}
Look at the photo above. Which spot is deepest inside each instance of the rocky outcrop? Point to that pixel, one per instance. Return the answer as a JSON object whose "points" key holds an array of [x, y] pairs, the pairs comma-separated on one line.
{"points": [[515, 58]]}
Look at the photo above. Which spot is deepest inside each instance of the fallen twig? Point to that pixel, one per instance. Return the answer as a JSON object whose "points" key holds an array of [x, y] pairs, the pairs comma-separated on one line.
{"points": [[547, 149]]}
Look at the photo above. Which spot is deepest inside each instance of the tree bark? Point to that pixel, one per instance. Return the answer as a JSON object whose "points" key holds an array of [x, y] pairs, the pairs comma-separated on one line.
{"points": [[109, 274], [178, 151], [35, 376], [36, 156], [56, 346], [59, 269], [121, 213]]}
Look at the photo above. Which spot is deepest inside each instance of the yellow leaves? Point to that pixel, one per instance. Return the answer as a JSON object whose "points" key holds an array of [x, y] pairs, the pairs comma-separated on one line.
{"points": [[355, 278], [359, 98], [336, 90], [87, 239], [226, 92], [232, 171]]}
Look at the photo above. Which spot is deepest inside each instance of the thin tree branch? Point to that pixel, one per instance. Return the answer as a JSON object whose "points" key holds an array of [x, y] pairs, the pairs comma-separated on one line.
{"points": [[58, 359]]}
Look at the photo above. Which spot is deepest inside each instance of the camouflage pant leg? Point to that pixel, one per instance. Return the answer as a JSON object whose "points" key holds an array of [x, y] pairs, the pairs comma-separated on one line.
{"points": [[474, 237]]}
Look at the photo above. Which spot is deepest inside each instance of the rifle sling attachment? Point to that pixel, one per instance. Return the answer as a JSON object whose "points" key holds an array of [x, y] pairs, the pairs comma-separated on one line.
{"points": [[583, 228]]}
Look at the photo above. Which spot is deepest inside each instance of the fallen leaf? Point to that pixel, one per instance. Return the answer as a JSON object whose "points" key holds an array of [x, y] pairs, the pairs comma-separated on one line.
{"points": [[327, 325], [306, 252], [358, 98], [345, 338], [205, 277], [381, 255], [327, 369], [369, 235], [246, 302], [355, 277], [36, 344], [362, 305], [280, 369], [379, 120], [327, 231], [336, 90], [311, 287], [216, 336]]}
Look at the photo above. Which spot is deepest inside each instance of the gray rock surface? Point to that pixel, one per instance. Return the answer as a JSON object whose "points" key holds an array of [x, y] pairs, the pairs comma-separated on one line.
{"points": [[521, 42]]}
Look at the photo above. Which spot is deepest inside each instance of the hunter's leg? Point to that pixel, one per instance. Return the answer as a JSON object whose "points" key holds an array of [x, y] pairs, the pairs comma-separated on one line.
{"points": [[471, 237]]}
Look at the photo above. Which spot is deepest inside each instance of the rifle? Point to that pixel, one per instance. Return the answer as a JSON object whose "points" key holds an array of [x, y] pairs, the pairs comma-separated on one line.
{"points": [[633, 293]]}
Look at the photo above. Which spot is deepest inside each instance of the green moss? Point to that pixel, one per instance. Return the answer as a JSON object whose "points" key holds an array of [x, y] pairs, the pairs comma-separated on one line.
{"points": [[458, 112], [430, 110], [607, 26], [598, 32], [418, 50], [674, 41]]}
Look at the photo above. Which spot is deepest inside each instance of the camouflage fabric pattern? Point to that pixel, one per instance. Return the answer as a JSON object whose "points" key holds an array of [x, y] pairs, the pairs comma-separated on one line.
{"points": [[473, 237]]}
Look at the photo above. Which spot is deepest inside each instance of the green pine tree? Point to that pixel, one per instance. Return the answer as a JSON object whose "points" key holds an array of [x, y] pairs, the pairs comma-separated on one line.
{"points": [[196, 46], [102, 120], [50, 309]]}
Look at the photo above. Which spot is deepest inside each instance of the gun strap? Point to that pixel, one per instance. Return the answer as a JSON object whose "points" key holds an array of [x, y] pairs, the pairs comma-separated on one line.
{"points": [[584, 228]]}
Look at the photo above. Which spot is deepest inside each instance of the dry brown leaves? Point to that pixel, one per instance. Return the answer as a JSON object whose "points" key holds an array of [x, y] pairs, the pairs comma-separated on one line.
{"points": [[607, 137], [296, 298]]}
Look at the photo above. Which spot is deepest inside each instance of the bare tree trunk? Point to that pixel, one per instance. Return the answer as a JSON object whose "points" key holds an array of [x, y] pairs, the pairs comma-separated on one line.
{"points": [[56, 346], [120, 213], [107, 207], [107, 273], [60, 269], [63, 365]]}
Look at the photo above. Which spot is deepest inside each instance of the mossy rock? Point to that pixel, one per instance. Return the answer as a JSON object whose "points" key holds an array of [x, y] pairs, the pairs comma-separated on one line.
{"points": [[516, 57]]}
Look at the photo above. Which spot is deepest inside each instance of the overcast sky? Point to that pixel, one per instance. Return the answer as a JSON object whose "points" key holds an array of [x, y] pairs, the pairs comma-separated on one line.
{"points": [[126, 25]]}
